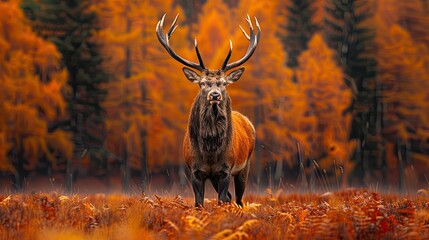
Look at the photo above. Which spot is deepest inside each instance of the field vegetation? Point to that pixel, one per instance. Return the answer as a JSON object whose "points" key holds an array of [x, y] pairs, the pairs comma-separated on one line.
{"points": [[348, 214]]}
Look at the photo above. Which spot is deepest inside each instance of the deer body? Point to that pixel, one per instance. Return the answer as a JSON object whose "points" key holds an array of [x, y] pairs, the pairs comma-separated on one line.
{"points": [[217, 146], [218, 142]]}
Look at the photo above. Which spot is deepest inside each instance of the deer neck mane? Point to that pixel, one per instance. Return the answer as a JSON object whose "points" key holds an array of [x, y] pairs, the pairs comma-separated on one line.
{"points": [[210, 125]]}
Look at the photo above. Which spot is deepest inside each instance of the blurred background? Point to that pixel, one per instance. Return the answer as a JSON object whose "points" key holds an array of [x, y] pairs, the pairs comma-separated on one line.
{"points": [[90, 101]]}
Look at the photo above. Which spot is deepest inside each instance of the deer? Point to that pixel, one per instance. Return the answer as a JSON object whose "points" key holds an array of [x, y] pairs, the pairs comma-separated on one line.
{"points": [[218, 142]]}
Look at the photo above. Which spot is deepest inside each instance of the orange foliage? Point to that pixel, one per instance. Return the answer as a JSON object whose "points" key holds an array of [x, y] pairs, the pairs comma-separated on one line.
{"points": [[327, 97], [405, 79], [353, 214], [213, 33], [260, 94], [320, 11], [31, 93], [411, 15], [140, 80]]}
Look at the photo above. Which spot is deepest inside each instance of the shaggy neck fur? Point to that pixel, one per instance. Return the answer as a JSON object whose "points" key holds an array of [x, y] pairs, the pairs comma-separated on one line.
{"points": [[210, 125]]}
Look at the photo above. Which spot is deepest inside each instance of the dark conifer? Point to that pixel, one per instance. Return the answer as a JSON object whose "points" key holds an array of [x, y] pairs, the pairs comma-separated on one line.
{"points": [[70, 25], [347, 32], [299, 29]]}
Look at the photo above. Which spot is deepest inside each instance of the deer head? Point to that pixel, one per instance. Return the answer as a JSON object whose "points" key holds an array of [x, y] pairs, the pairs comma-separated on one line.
{"points": [[212, 83]]}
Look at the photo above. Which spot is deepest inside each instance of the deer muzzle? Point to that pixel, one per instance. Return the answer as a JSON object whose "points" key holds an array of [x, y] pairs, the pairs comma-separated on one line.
{"points": [[214, 96]]}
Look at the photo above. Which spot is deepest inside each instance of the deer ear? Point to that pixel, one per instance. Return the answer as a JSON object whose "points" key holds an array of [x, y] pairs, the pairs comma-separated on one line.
{"points": [[191, 75], [234, 75]]}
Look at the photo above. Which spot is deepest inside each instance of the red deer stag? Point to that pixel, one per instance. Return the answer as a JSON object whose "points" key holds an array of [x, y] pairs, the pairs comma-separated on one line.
{"points": [[218, 142]]}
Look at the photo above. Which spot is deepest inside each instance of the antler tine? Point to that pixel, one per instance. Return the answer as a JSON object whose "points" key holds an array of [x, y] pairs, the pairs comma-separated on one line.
{"points": [[244, 32], [173, 26], [164, 40], [200, 59], [161, 22], [225, 62], [257, 24], [249, 22], [253, 42]]}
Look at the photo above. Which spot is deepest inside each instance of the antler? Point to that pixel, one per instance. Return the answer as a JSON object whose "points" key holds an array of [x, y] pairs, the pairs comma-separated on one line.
{"points": [[253, 39], [164, 40]]}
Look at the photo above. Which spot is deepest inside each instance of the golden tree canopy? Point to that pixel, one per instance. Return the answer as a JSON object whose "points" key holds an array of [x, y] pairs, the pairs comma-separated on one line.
{"points": [[327, 98], [31, 99]]}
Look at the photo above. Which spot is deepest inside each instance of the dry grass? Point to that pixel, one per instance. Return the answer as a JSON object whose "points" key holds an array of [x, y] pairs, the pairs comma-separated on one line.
{"points": [[350, 214]]}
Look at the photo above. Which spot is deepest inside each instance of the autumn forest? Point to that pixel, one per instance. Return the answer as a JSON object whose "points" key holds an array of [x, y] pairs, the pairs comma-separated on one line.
{"points": [[338, 92]]}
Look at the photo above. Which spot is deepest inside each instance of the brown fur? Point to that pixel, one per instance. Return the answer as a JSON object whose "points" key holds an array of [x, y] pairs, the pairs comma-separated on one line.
{"points": [[217, 146], [240, 149]]}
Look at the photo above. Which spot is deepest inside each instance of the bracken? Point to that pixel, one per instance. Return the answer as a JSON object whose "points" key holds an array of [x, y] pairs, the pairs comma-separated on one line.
{"points": [[351, 214]]}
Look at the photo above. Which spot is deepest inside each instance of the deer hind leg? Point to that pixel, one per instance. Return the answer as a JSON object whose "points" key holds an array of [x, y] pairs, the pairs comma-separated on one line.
{"points": [[215, 183], [198, 182], [240, 184]]}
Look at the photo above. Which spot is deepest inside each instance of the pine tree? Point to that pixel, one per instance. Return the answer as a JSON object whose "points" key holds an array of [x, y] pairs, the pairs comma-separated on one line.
{"points": [[299, 29], [349, 34], [71, 25]]}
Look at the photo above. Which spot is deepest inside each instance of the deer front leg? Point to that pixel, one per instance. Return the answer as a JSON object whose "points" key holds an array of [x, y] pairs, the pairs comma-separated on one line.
{"points": [[216, 186], [223, 178], [198, 182]]}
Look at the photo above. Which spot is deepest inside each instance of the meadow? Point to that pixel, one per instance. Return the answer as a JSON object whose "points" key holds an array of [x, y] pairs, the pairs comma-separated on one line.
{"points": [[346, 214]]}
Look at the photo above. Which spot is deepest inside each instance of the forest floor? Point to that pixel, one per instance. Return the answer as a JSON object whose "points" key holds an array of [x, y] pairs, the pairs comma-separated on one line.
{"points": [[347, 214]]}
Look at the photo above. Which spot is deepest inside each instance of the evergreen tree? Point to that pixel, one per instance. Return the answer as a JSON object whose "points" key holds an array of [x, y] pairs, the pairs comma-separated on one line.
{"points": [[71, 25], [348, 33], [299, 29]]}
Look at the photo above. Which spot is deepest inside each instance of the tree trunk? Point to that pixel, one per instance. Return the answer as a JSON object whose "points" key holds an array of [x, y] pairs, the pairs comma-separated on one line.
{"points": [[69, 177], [106, 175], [257, 152], [18, 181], [126, 171], [144, 170], [401, 172], [144, 173], [278, 173], [302, 177], [125, 155]]}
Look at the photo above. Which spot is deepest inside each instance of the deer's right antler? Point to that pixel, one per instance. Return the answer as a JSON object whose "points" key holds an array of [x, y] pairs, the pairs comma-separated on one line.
{"points": [[253, 39], [164, 40]]}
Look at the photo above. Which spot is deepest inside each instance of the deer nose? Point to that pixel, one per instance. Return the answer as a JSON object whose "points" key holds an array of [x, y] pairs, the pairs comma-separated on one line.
{"points": [[215, 95]]}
